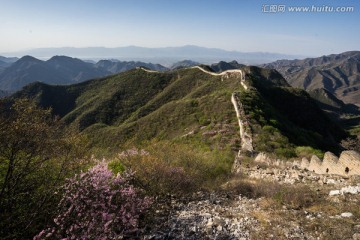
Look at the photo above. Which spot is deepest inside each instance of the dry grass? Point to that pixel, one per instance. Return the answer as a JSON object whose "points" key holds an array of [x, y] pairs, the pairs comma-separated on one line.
{"points": [[283, 208], [295, 197]]}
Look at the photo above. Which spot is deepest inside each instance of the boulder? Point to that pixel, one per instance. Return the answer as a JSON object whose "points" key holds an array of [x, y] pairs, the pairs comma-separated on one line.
{"points": [[334, 192], [347, 215]]}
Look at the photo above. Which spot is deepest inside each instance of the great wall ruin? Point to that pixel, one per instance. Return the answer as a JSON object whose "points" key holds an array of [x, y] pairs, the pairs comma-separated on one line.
{"points": [[347, 164]]}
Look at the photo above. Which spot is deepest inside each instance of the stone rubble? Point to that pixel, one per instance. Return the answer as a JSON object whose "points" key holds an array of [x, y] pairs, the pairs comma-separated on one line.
{"points": [[346, 190], [212, 217], [292, 175], [217, 216], [226, 215]]}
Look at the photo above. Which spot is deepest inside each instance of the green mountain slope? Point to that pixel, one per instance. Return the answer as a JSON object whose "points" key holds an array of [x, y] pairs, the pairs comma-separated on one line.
{"points": [[191, 106], [283, 117], [141, 105]]}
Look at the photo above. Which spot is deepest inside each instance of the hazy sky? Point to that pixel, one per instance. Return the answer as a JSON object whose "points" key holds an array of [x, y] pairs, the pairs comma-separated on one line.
{"points": [[227, 24]]}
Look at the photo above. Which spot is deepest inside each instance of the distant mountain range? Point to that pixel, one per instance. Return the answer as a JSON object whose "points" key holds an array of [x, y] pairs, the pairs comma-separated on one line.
{"points": [[57, 70], [63, 70], [6, 62], [338, 74], [184, 63], [8, 59], [60, 70], [121, 66], [165, 56]]}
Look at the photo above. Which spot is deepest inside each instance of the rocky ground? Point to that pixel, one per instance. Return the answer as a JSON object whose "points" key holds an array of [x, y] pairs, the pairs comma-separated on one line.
{"points": [[233, 213]]}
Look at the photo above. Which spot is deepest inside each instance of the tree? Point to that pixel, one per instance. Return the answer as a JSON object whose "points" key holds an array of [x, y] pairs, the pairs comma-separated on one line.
{"points": [[97, 205], [36, 155]]}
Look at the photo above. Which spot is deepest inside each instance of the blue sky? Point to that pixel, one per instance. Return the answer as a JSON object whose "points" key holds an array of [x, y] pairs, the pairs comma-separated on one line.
{"points": [[227, 24]]}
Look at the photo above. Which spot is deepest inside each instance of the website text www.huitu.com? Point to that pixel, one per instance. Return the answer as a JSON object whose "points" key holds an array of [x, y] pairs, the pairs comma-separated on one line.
{"points": [[280, 8]]}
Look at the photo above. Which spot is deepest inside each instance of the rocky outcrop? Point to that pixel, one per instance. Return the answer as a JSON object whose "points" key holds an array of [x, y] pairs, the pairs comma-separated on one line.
{"points": [[347, 164]]}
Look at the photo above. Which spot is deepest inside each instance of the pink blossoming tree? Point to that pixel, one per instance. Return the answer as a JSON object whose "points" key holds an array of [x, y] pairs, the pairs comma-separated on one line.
{"points": [[97, 205]]}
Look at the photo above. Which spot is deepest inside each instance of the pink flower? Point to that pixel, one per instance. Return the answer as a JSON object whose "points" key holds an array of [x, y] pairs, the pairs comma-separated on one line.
{"points": [[95, 199]]}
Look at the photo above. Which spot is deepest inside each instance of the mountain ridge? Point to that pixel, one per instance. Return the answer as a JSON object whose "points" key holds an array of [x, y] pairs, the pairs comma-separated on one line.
{"points": [[337, 73], [59, 70], [192, 102]]}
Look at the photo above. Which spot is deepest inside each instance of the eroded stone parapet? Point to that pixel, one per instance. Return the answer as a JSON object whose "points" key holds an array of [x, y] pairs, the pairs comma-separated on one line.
{"points": [[350, 162], [330, 163], [305, 163], [315, 164]]}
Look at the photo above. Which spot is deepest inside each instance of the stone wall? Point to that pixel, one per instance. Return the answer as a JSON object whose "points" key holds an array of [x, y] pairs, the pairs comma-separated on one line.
{"points": [[245, 131], [244, 125], [347, 164]]}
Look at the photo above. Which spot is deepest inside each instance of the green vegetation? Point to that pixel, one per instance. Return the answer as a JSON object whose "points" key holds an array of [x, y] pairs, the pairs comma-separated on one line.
{"points": [[36, 155], [137, 106], [177, 131], [167, 167], [283, 118], [306, 151]]}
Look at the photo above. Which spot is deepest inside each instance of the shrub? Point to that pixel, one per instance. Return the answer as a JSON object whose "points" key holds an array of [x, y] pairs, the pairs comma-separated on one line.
{"points": [[285, 152], [270, 140], [116, 166], [157, 177], [178, 168], [307, 151], [97, 205]]}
